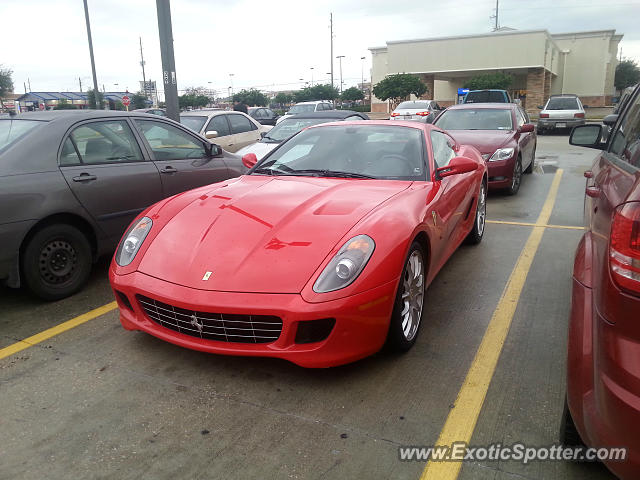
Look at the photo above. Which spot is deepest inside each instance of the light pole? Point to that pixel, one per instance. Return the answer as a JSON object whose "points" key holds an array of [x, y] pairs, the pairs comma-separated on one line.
{"points": [[312, 76], [93, 63], [231, 80], [362, 72], [340, 57]]}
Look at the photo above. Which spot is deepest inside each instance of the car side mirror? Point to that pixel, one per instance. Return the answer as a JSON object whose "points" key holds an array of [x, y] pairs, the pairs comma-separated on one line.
{"points": [[527, 128], [610, 120], [213, 150], [587, 136], [456, 166], [211, 134], [262, 134], [540, 107], [249, 160]]}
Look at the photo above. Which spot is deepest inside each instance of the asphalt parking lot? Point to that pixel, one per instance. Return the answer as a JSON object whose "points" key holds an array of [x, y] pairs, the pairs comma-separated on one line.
{"points": [[96, 401]]}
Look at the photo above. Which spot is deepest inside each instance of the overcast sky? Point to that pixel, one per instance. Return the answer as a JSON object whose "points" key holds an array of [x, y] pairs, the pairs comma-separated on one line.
{"points": [[265, 44]]}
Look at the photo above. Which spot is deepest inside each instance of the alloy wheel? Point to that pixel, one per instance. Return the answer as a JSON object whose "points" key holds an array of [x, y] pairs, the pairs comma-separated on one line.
{"points": [[412, 295]]}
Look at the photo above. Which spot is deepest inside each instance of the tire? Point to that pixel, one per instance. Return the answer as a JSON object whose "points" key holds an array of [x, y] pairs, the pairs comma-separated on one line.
{"points": [[477, 232], [569, 435], [409, 303], [533, 161], [516, 179], [56, 262]]}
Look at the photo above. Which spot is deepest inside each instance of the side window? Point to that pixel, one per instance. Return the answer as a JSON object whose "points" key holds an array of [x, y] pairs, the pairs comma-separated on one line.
{"points": [[442, 150], [520, 120], [261, 113], [269, 113], [626, 141], [69, 156], [525, 115], [240, 124], [105, 142], [219, 124], [170, 143]]}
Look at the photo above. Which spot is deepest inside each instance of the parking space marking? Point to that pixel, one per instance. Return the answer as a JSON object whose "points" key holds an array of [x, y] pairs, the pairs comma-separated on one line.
{"points": [[462, 418], [58, 329], [527, 224]]}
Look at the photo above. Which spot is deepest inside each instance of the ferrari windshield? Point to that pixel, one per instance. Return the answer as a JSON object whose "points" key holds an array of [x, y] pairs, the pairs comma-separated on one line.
{"points": [[475, 119], [291, 126], [352, 151]]}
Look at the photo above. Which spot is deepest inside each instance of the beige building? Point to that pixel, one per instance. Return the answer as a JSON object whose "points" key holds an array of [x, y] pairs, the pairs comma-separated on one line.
{"points": [[542, 64]]}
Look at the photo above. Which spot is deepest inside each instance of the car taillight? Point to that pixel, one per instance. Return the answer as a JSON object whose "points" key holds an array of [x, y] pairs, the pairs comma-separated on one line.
{"points": [[394, 114], [423, 114], [578, 115], [624, 247], [544, 115]]}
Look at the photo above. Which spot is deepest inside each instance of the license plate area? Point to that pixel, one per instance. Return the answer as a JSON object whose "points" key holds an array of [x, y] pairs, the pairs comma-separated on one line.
{"points": [[561, 125]]}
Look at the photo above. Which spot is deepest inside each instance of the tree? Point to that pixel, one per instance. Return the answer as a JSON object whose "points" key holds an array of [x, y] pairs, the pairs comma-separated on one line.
{"points": [[352, 94], [283, 98], [317, 92], [253, 98], [193, 100], [92, 99], [63, 104], [139, 100], [398, 87], [6, 83], [498, 80], [627, 74], [118, 105]]}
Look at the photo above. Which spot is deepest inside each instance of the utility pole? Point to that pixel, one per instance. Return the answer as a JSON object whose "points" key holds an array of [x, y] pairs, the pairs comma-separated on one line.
{"points": [[93, 63], [144, 79], [497, 23], [168, 62], [80, 84], [25, 86], [331, 28], [362, 72], [29, 83], [340, 57]]}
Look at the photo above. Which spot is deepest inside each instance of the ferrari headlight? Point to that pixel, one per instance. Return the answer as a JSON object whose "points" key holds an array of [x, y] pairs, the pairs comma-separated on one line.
{"points": [[501, 154], [347, 264], [132, 241]]}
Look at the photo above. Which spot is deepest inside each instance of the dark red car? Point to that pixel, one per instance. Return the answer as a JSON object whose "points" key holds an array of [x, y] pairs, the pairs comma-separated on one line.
{"points": [[502, 132], [319, 255], [603, 367]]}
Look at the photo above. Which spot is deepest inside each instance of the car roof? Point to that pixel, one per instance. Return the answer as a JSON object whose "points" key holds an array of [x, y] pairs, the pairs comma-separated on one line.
{"points": [[573, 95], [488, 90], [388, 123], [475, 106], [207, 113], [49, 115], [312, 102], [327, 114]]}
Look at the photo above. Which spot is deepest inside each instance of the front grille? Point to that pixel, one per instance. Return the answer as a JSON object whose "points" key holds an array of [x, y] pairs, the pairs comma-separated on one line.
{"points": [[213, 326]]}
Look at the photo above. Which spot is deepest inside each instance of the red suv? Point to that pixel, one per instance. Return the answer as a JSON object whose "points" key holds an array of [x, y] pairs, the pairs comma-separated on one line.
{"points": [[603, 366]]}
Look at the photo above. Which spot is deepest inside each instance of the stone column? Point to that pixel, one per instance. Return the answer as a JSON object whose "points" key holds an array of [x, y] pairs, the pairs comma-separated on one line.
{"points": [[429, 82], [547, 84], [535, 90]]}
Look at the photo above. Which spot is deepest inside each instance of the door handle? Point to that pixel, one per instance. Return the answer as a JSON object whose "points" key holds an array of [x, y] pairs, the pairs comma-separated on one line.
{"points": [[593, 192], [168, 169], [588, 174], [84, 177]]}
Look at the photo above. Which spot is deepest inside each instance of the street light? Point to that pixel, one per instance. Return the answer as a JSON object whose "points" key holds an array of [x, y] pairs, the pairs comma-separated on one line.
{"points": [[312, 76], [362, 72], [231, 80], [340, 57]]}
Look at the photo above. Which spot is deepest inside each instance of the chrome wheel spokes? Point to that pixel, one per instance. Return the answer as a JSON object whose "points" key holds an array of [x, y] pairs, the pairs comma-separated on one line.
{"points": [[481, 213], [412, 295]]}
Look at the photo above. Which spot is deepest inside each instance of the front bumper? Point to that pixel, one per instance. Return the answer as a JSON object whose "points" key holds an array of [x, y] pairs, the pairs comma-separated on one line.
{"points": [[549, 123], [500, 173], [361, 321]]}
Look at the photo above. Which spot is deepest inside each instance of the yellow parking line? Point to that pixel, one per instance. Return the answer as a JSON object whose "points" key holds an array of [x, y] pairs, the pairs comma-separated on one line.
{"points": [[462, 418], [58, 329], [526, 224]]}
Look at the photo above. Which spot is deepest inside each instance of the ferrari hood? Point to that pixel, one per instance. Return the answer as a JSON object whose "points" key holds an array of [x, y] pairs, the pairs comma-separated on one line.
{"points": [[487, 141], [261, 234]]}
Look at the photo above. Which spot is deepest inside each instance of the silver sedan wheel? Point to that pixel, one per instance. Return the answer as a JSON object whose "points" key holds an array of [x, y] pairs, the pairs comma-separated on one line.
{"points": [[412, 295], [481, 213]]}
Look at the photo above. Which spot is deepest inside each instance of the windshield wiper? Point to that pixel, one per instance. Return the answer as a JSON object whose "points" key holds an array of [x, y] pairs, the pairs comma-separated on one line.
{"points": [[267, 170], [328, 173]]}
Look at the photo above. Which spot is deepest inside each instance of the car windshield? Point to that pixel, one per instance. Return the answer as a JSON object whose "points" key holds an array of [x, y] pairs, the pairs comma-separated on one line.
{"points": [[563, 103], [412, 105], [485, 96], [291, 126], [475, 119], [302, 109], [194, 122], [351, 151], [12, 129]]}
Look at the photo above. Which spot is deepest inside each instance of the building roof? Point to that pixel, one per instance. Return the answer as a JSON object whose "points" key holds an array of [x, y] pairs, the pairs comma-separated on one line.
{"points": [[44, 96]]}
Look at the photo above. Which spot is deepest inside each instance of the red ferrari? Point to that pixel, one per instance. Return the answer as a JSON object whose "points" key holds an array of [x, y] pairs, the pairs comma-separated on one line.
{"points": [[319, 255]]}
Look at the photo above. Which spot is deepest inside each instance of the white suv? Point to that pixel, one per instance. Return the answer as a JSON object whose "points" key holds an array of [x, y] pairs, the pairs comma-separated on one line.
{"points": [[307, 107], [560, 112]]}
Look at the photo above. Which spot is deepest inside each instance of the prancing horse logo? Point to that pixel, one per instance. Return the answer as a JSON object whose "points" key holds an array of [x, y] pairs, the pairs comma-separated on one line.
{"points": [[206, 275], [196, 323]]}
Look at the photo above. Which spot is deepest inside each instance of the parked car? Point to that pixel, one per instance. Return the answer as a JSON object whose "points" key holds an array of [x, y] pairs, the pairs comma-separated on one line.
{"points": [[420, 110], [487, 96], [319, 255], [504, 135], [231, 130], [153, 111], [561, 112], [627, 93], [263, 115], [603, 372], [307, 107], [293, 125], [72, 180]]}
